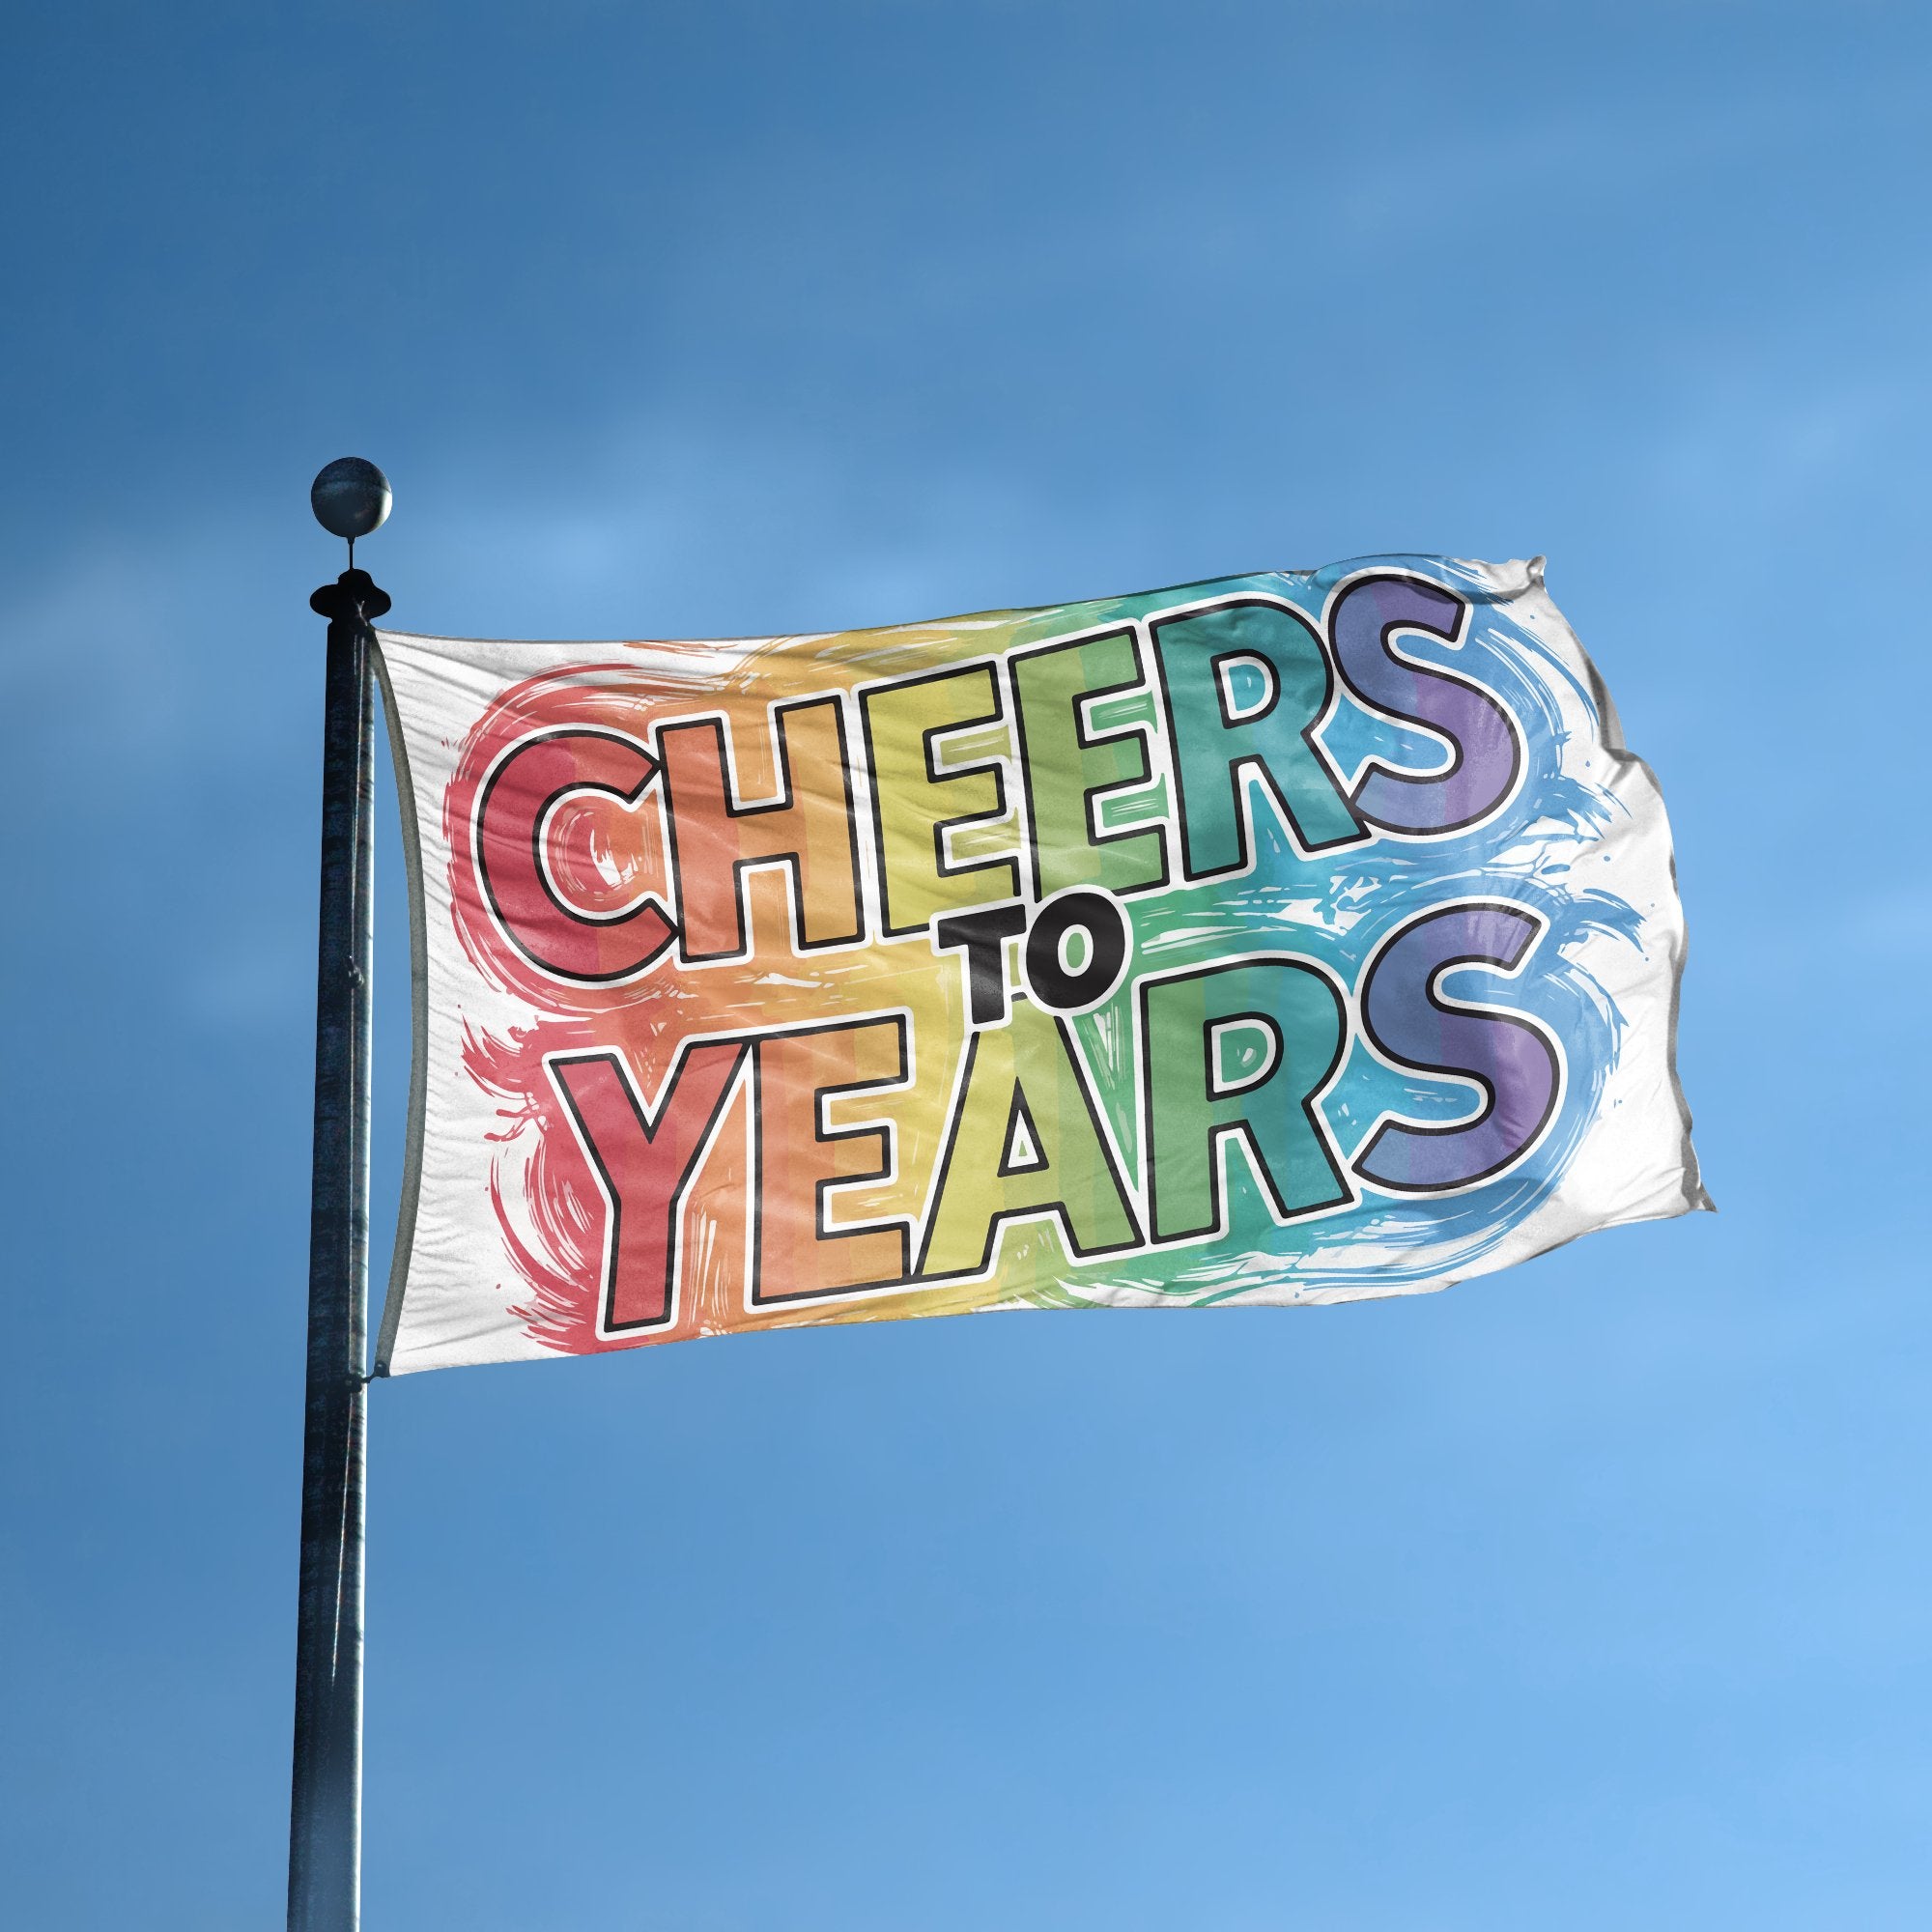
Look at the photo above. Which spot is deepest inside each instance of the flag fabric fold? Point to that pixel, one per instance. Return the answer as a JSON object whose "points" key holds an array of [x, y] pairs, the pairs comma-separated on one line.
{"points": [[1297, 937]]}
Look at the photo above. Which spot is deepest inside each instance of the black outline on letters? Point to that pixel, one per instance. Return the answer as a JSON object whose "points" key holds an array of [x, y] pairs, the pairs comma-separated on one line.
{"points": [[826, 1135], [1240, 1130], [539, 829], [790, 864], [944, 867], [1147, 734], [1460, 1075], [1242, 772], [1210, 1044], [1374, 763], [1020, 1115], [1056, 1210], [650, 1119]]}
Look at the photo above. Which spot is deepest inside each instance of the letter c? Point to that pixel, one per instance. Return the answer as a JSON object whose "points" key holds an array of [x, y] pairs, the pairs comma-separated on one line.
{"points": [[512, 811]]}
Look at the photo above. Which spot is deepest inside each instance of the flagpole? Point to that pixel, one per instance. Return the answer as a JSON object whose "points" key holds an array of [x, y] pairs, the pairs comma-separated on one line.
{"points": [[351, 499]]}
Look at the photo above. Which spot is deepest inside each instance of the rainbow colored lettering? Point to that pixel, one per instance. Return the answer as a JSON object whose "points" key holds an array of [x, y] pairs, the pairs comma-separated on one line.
{"points": [[1291, 938]]}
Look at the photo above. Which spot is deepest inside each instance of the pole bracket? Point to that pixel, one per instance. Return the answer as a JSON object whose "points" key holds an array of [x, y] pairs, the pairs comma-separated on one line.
{"points": [[353, 598]]}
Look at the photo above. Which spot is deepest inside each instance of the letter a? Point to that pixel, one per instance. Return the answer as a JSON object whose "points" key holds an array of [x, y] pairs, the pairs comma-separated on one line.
{"points": [[1027, 1072]]}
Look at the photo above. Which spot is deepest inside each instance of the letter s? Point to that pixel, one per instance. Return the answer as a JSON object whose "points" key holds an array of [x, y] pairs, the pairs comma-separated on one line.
{"points": [[1512, 1060], [1484, 741]]}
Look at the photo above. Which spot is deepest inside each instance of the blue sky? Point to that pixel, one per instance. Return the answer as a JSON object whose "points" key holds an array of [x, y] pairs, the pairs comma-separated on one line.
{"points": [[1597, 1594]]}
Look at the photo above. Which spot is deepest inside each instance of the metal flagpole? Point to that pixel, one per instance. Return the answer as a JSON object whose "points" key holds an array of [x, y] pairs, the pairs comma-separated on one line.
{"points": [[351, 497]]}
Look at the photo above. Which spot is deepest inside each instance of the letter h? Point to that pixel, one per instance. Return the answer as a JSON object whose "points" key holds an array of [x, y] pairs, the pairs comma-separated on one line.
{"points": [[808, 828]]}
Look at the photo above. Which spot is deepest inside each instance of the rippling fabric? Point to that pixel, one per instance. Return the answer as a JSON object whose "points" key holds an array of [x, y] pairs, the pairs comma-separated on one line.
{"points": [[1291, 938]]}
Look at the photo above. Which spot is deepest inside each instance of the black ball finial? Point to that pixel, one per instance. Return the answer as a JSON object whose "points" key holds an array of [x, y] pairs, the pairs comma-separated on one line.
{"points": [[350, 498]]}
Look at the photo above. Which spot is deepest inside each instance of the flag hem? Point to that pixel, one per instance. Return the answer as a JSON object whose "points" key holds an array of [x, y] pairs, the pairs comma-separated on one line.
{"points": [[412, 1188], [1696, 1197]]}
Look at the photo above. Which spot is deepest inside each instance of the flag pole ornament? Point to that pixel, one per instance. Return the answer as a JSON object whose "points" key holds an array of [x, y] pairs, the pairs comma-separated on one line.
{"points": [[351, 497], [1287, 939]]}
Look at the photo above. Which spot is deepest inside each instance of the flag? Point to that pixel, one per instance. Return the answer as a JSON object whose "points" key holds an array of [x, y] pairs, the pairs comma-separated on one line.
{"points": [[1292, 938]]}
